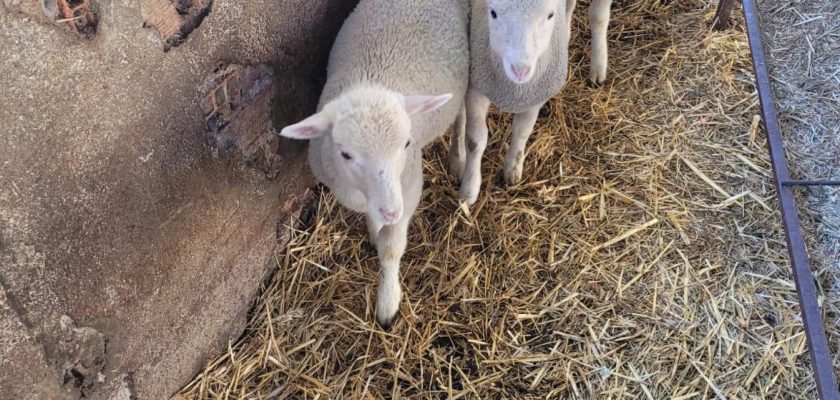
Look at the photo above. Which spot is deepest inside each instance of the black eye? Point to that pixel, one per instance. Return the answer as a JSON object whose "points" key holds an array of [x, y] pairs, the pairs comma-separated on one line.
{"points": [[493, 14], [346, 156], [407, 144], [550, 16]]}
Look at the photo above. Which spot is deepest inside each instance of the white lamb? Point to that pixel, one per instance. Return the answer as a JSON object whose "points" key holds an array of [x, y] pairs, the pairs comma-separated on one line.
{"points": [[519, 60], [396, 80]]}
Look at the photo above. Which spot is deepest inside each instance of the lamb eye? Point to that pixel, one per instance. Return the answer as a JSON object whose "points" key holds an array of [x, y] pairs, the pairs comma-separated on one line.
{"points": [[493, 14], [407, 144], [346, 156], [550, 16]]}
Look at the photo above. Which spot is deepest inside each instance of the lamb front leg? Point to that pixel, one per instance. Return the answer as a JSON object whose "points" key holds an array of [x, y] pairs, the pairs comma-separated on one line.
{"points": [[390, 245], [523, 127], [599, 20], [478, 106]]}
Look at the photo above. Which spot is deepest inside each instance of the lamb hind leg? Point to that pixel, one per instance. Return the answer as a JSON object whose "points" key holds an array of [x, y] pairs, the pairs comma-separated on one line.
{"points": [[599, 20], [477, 108], [457, 145], [374, 227], [570, 14], [523, 127]]}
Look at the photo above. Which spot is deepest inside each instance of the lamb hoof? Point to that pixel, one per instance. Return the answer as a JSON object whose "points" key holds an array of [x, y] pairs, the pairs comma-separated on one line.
{"points": [[386, 323], [469, 193], [386, 317], [456, 166], [597, 76], [388, 303], [513, 167], [513, 176]]}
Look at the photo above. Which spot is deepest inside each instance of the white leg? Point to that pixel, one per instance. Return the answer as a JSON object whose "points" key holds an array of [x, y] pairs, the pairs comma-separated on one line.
{"points": [[599, 20], [373, 229], [523, 126], [570, 13], [477, 107], [457, 145], [390, 244]]}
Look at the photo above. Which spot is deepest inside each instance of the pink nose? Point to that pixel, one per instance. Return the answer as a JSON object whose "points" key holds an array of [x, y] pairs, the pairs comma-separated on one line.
{"points": [[520, 71], [390, 216]]}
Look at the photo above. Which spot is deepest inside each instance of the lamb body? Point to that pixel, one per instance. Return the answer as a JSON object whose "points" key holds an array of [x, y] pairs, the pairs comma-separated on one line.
{"points": [[519, 60], [392, 71]]}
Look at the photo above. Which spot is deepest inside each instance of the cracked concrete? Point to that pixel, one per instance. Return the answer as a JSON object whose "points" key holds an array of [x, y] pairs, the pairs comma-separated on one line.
{"points": [[114, 211]]}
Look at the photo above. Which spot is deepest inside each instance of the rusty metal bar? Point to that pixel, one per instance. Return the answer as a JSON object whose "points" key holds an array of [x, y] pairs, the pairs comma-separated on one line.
{"points": [[722, 14], [802, 275], [808, 182]]}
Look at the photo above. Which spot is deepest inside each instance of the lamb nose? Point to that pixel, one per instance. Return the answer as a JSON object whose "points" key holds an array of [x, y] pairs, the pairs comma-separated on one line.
{"points": [[390, 215], [521, 70]]}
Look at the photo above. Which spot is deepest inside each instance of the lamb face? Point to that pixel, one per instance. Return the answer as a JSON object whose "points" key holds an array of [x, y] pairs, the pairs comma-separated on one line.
{"points": [[367, 137], [370, 141], [521, 32]]}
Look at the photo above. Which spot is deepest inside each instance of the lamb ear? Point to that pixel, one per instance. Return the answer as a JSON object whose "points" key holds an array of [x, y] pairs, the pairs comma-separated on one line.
{"points": [[313, 127], [422, 104]]}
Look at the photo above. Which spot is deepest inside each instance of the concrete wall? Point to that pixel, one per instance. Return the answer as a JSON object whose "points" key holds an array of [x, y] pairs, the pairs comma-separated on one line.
{"points": [[128, 249]]}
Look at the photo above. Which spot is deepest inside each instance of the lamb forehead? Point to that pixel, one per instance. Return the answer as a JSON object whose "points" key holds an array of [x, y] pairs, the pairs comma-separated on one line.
{"points": [[526, 6], [373, 122]]}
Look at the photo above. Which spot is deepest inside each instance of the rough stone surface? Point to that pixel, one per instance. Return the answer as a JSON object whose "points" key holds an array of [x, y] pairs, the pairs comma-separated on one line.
{"points": [[130, 251], [24, 373], [174, 20], [78, 17], [237, 103]]}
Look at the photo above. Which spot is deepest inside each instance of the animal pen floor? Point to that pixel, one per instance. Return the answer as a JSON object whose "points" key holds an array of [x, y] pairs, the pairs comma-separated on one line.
{"points": [[641, 258]]}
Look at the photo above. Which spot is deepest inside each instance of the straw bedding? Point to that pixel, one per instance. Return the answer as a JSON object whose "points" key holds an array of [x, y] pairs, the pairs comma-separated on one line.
{"points": [[641, 258], [802, 41]]}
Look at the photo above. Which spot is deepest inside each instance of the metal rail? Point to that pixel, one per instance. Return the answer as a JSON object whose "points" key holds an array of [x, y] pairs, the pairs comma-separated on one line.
{"points": [[810, 183], [802, 276]]}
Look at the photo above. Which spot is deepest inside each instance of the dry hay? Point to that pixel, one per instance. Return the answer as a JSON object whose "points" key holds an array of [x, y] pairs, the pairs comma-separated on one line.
{"points": [[802, 41], [641, 258]]}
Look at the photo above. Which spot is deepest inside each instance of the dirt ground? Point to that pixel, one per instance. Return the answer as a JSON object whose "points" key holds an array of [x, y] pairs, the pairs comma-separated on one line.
{"points": [[803, 42], [642, 257]]}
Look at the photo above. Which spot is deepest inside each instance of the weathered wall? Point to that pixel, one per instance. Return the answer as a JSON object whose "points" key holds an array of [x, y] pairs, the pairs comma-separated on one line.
{"points": [[114, 210]]}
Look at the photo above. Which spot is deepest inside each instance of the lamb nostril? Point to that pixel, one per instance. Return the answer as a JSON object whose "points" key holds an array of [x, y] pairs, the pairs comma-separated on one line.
{"points": [[390, 215], [521, 71]]}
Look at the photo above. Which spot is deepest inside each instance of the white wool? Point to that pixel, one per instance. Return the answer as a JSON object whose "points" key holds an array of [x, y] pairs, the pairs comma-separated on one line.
{"points": [[508, 37], [487, 75], [397, 77]]}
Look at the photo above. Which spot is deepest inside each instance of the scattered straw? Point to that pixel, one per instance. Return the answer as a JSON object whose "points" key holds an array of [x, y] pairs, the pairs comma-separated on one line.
{"points": [[626, 235], [688, 295], [705, 178]]}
